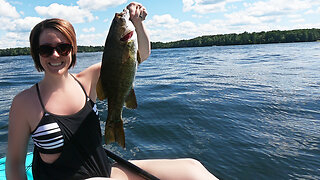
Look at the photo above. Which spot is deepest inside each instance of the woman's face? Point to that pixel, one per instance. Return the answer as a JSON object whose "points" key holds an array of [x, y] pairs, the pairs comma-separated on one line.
{"points": [[55, 63]]}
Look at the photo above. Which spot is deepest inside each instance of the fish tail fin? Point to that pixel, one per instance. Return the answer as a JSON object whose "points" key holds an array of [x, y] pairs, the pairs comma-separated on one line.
{"points": [[99, 89], [114, 132]]}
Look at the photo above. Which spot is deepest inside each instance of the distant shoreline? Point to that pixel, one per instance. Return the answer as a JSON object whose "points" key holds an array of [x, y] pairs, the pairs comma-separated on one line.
{"points": [[288, 36]]}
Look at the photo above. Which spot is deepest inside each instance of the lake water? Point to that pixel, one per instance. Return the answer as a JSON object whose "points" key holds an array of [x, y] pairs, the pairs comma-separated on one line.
{"points": [[245, 112]]}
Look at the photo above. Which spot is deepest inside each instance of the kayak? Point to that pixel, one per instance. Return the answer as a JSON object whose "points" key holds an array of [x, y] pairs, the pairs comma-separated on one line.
{"points": [[28, 164], [115, 157]]}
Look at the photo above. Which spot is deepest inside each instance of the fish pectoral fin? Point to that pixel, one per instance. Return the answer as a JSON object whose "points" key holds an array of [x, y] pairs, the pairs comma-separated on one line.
{"points": [[131, 100], [138, 57], [114, 132], [99, 89]]}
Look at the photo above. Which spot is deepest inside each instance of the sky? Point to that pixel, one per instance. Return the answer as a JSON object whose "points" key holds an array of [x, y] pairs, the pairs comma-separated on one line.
{"points": [[167, 20]]}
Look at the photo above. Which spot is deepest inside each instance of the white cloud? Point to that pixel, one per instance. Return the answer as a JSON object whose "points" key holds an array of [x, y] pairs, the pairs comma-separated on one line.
{"points": [[197, 16], [17, 31], [257, 8], [74, 14], [6, 21], [313, 11], [300, 20], [99, 4], [206, 6], [167, 28], [106, 20], [203, 7], [187, 4], [269, 12], [242, 18], [23, 25], [165, 21], [276, 7], [6, 10], [294, 16], [87, 30], [96, 39], [19, 25], [14, 39]]}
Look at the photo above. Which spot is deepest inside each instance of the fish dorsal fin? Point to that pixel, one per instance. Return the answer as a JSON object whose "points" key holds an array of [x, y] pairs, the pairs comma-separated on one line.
{"points": [[131, 100], [99, 90]]}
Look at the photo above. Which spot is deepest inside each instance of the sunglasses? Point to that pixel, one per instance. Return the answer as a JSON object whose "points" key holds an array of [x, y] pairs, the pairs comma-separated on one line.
{"points": [[62, 49]]}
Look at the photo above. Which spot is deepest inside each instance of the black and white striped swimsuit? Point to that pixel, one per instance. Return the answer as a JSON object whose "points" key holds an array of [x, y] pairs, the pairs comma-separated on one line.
{"points": [[48, 137], [77, 137]]}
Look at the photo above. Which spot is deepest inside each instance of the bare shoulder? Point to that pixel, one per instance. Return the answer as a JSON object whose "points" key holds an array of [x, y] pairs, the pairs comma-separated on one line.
{"points": [[91, 72], [23, 99], [91, 69], [89, 78], [25, 107]]}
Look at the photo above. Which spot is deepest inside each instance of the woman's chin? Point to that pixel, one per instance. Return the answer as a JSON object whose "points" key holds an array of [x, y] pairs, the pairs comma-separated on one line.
{"points": [[57, 68]]}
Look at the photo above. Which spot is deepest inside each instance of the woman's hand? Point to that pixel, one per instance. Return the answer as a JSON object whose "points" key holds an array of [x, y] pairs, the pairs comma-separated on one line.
{"points": [[138, 14]]}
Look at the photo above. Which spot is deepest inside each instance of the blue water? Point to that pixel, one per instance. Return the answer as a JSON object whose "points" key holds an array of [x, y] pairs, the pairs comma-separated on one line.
{"points": [[245, 112]]}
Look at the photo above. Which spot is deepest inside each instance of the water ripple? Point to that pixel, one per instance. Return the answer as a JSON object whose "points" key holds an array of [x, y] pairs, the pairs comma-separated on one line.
{"points": [[246, 112]]}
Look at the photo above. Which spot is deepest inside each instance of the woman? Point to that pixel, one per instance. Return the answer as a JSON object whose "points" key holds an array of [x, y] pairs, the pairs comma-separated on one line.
{"points": [[59, 113]]}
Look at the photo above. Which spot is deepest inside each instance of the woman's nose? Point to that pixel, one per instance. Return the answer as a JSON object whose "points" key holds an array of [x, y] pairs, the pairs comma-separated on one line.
{"points": [[55, 53]]}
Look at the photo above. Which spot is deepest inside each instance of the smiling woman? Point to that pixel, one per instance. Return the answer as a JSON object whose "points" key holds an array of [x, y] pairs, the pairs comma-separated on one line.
{"points": [[68, 35]]}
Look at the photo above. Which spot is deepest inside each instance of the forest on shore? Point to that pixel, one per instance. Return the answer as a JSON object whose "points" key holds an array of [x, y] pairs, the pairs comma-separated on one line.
{"points": [[26, 50], [288, 36]]}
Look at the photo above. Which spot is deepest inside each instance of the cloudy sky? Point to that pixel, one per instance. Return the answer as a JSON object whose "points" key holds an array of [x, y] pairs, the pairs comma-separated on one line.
{"points": [[167, 20]]}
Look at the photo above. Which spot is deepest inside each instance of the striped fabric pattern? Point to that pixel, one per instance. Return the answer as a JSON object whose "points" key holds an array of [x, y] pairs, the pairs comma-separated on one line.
{"points": [[48, 136]]}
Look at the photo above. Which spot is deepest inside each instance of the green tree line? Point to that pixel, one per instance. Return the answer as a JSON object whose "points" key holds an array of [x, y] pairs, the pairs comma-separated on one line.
{"points": [[15, 51], [299, 35], [26, 50], [289, 36], [90, 48]]}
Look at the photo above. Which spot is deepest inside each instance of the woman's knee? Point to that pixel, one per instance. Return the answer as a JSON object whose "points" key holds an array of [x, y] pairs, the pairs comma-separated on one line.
{"points": [[194, 169], [192, 163]]}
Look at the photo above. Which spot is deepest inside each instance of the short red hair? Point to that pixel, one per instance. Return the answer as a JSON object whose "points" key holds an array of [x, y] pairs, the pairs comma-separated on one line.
{"points": [[61, 25]]}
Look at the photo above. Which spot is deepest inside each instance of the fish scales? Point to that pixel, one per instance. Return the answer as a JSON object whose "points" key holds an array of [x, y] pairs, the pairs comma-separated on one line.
{"points": [[119, 64]]}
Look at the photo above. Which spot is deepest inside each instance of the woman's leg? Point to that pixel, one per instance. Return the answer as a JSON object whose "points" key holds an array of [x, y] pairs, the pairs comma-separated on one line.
{"points": [[165, 169]]}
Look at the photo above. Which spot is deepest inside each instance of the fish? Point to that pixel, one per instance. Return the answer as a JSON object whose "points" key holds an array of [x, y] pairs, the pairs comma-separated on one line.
{"points": [[118, 68]]}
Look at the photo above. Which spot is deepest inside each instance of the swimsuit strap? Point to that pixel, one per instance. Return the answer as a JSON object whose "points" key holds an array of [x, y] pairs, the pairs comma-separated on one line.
{"points": [[39, 96], [40, 99], [80, 85]]}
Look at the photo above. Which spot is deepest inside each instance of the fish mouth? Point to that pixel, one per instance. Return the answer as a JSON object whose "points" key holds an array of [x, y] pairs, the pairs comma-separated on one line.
{"points": [[127, 36]]}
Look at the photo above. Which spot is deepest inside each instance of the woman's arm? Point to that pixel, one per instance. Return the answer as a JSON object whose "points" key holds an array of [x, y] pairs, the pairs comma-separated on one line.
{"points": [[19, 133], [89, 79], [137, 14]]}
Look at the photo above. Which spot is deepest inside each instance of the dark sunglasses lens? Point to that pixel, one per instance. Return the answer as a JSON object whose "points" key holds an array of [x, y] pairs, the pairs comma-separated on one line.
{"points": [[64, 49], [45, 50]]}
